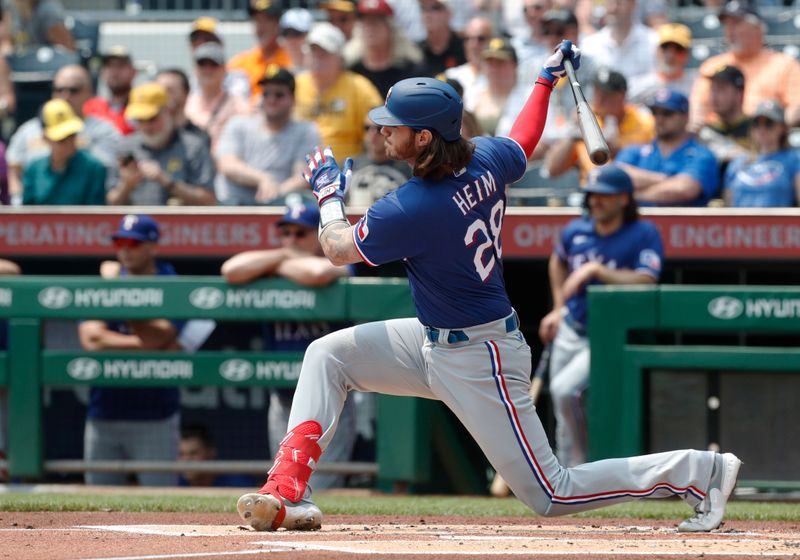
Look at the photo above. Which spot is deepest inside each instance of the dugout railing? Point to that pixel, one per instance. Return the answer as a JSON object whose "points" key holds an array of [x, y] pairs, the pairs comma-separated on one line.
{"points": [[26, 366], [739, 397]]}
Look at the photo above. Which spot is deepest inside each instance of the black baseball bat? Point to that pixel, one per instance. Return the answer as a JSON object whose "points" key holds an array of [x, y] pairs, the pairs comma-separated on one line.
{"points": [[592, 135]]}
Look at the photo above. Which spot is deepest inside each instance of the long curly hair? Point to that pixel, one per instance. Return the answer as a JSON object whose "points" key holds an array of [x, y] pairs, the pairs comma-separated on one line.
{"points": [[440, 158]]}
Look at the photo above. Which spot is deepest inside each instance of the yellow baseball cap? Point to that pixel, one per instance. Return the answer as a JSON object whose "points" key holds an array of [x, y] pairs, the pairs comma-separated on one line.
{"points": [[204, 24], [146, 101], [59, 120], [675, 33]]}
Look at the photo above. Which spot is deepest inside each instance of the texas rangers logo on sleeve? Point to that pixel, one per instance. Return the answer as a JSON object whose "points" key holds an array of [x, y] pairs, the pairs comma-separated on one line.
{"points": [[362, 230], [650, 259]]}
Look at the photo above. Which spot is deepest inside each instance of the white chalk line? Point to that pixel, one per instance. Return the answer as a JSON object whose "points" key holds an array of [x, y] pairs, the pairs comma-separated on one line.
{"points": [[363, 547]]}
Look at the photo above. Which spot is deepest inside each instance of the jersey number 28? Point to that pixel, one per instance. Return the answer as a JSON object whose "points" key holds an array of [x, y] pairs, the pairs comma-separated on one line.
{"points": [[491, 236]]}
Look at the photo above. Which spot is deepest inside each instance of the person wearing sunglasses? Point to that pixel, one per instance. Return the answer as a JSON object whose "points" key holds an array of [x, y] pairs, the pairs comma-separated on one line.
{"points": [[133, 423], [210, 105], [299, 259], [100, 138], [674, 169], [205, 30], [477, 34], [295, 25], [259, 158], [769, 176]]}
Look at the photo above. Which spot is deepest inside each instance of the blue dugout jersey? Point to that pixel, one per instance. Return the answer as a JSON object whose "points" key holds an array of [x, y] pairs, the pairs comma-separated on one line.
{"points": [[635, 246], [767, 182], [109, 403], [692, 158], [447, 232]]}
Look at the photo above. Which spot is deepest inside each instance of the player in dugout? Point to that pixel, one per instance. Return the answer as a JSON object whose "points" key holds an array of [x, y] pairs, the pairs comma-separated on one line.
{"points": [[464, 348]]}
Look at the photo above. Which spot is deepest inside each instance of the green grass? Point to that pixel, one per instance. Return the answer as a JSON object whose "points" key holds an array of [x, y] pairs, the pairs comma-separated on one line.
{"points": [[421, 506]]}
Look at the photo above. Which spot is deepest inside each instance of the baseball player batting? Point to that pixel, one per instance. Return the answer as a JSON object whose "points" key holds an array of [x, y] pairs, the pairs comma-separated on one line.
{"points": [[464, 347]]}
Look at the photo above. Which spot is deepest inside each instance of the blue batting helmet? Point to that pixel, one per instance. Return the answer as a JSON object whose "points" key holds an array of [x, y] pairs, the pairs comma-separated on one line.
{"points": [[608, 180], [422, 103]]}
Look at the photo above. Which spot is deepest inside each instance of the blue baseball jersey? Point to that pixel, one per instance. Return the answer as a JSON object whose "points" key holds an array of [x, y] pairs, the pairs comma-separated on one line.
{"points": [[766, 182], [109, 403], [635, 246], [692, 158], [447, 233]]}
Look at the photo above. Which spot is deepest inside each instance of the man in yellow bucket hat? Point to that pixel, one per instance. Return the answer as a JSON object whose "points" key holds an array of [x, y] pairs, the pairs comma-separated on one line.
{"points": [[68, 175]]}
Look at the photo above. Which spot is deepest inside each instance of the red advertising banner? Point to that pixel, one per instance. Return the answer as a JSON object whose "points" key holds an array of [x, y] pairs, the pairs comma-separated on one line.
{"points": [[527, 233]]}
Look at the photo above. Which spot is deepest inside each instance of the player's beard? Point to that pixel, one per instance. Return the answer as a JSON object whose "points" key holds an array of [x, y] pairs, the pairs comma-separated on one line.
{"points": [[403, 151]]}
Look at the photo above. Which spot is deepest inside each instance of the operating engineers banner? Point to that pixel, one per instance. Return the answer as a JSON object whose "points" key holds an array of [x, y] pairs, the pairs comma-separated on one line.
{"points": [[527, 232]]}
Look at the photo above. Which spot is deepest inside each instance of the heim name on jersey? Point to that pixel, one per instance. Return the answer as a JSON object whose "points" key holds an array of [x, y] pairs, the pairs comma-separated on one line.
{"points": [[474, 193]]}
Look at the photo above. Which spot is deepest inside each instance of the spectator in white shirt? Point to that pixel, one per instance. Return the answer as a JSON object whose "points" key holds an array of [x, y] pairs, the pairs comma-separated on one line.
{"points": [[623, 43]]}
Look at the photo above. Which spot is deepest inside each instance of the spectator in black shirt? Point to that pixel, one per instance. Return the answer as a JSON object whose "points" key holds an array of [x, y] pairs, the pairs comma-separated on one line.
{"points": [[379, 51], [442, 49]]}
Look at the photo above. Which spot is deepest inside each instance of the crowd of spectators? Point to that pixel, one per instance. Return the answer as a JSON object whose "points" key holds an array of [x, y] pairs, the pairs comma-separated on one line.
{"points": [[234, 131]]}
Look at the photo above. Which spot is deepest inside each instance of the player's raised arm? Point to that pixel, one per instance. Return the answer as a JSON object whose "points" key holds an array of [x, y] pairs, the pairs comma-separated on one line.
{"points": [[527, 129], [329, 183]]}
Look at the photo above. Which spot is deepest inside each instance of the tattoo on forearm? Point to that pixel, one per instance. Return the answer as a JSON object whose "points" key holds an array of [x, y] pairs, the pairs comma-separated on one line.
{"points": [[332, 238], [334, 231]]}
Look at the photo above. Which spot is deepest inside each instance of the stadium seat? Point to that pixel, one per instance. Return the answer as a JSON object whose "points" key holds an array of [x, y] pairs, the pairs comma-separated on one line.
{"points": [[785, 22], [86, 34], [32, 73], [87, 39], [707, 27]]}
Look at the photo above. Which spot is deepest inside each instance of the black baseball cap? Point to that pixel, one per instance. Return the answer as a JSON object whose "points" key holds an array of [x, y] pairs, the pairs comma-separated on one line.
{"points": [[611, 81], [501, 49], [269, 7], [275, 74], [740, 9], [729, 74], [564, 17]]}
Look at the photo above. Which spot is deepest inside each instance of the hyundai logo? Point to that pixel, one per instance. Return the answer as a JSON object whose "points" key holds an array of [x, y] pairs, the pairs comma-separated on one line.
{"points": [[84, 369], [207, 297], [725, 307], [55, 297], [236, 370]]}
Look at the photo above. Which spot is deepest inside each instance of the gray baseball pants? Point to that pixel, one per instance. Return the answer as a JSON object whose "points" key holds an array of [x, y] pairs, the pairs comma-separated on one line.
{"points": [[569, 378], [135, 440], [484, 381]]}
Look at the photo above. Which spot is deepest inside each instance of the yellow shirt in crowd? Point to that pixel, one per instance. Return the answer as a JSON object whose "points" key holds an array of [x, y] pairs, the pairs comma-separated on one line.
{"points": [[340, 112]]}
